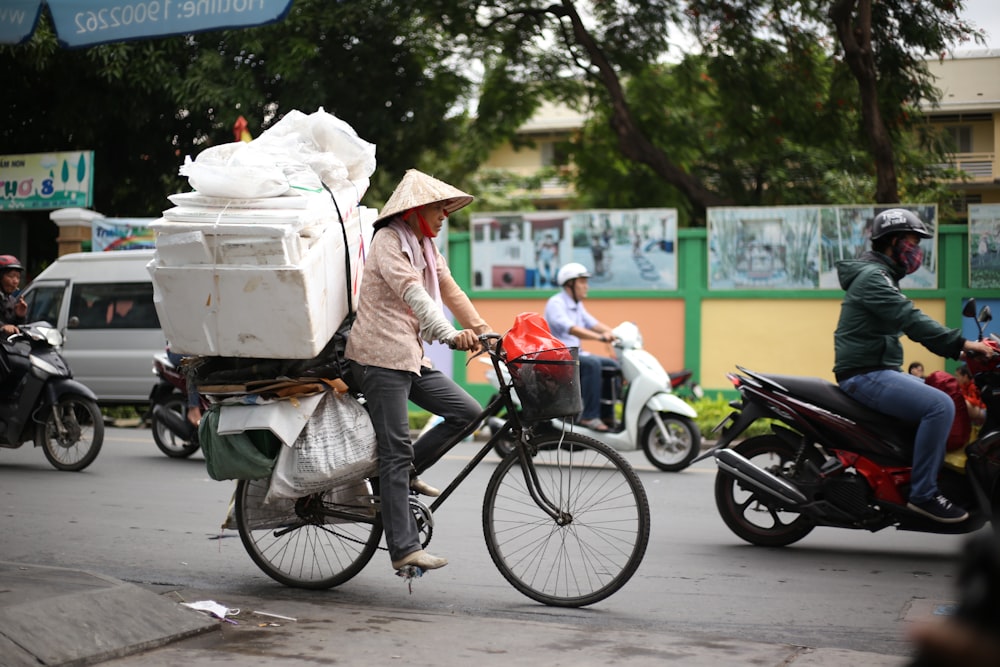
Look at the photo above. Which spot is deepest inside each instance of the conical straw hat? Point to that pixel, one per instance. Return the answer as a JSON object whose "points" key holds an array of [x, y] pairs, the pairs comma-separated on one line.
{"points": [[419, 189]]}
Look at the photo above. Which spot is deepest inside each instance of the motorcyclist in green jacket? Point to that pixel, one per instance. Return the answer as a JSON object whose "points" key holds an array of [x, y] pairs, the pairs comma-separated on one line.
{"points": [[869, 356]]}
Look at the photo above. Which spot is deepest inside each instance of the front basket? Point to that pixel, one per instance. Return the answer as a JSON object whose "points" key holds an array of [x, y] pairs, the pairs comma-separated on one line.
{"points": [[548, 383]]}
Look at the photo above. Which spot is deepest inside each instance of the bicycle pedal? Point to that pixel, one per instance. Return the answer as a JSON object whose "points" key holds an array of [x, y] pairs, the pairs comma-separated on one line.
{"points": [[410, 572]]}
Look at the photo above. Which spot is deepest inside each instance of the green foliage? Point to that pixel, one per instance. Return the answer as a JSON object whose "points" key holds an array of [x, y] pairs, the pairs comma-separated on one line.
{"points": [[763, 126], [122, 412], [769, 115], [713, 409], [380, 65], [418, 419]]}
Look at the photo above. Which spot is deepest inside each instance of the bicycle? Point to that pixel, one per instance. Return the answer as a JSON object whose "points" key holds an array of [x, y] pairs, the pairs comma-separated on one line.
{"points": [[565, 518]]}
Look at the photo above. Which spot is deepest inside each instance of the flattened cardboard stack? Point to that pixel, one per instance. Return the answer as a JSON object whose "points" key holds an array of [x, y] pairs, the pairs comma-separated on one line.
{"points": [[265, 276]]}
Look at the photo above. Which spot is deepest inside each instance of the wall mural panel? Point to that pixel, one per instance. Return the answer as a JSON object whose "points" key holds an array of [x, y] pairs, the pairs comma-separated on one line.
{"points": [[633, 249]]}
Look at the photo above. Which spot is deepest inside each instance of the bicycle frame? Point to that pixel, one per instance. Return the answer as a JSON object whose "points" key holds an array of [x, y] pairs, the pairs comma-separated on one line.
{"points": [[513, 425], [567, 490]]}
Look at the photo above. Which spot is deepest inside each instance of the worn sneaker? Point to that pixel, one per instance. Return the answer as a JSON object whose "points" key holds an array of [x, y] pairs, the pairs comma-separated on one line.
{"points": [[421, 559], [422, 487], [940, 509]]}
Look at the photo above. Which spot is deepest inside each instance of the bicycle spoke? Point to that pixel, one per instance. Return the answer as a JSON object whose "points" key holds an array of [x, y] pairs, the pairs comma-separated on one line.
{"points": [[598, 544], [298, 544]]}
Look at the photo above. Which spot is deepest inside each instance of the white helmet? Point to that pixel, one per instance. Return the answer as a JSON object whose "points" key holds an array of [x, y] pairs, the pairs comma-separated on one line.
{"points": [[571, 271]]}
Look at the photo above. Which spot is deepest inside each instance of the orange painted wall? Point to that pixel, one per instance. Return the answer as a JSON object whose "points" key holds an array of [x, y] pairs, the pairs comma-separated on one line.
{"points": [[661, 322]]}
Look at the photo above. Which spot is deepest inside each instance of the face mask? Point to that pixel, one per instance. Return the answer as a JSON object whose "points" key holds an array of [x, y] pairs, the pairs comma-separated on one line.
{"points": [[910, 255], [425, 228]]}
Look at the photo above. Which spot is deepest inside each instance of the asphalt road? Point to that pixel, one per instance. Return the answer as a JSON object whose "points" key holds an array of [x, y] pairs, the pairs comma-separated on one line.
{"points": [[138, 516]]}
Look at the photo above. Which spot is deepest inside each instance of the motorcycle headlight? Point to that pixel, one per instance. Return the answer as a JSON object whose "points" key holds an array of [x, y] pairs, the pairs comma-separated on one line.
{"points": [[53, 337]]}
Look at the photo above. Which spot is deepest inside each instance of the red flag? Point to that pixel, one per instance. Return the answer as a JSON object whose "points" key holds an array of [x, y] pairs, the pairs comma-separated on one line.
{"points": [[240, 131]]}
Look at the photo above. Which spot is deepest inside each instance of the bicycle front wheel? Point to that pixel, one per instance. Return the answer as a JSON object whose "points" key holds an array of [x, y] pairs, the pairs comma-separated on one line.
{"points": [[598, 537], [319, 541]]}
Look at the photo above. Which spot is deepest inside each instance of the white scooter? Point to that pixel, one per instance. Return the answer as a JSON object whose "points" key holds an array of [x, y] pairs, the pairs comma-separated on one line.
{"points": [[651, 416]]}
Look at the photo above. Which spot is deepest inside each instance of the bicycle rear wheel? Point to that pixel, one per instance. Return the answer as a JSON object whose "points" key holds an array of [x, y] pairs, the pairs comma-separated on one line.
{"points": [[600, 537], [299, 543]]}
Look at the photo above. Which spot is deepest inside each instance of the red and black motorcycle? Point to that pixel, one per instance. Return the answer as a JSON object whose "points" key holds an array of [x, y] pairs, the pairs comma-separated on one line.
{"points": [[831, 461], [172, 432]]}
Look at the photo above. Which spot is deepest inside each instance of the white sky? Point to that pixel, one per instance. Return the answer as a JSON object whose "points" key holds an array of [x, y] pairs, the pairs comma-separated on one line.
{"points": [[985, 14]]}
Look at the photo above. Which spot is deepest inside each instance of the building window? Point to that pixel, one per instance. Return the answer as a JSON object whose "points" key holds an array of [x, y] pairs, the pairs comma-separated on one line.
{"points": [[553, 154], [961, 137], [961, 204]]}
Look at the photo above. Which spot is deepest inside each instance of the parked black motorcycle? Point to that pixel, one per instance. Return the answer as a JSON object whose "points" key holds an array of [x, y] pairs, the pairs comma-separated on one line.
{"points": [[831, 461], [172, 432], [40, 400]]}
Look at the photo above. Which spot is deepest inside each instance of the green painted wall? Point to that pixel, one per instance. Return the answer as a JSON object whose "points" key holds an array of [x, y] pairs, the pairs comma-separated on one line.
{"points": [[720, 328]]}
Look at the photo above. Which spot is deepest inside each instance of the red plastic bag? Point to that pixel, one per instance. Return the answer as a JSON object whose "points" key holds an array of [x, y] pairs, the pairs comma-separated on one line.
{"points": [[544, 372], [961, 428], [529, 334]]}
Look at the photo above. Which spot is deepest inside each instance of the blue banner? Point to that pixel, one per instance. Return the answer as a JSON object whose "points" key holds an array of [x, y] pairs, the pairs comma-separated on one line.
{"points": [[18, 19], [89, 22]]}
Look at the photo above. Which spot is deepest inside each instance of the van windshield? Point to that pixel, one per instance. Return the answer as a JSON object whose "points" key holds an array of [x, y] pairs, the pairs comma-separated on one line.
{"points": [[115, 305], [44, 303]]}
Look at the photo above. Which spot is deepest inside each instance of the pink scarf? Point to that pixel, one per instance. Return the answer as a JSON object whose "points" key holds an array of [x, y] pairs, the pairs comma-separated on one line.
{"points": [[422, 256]]}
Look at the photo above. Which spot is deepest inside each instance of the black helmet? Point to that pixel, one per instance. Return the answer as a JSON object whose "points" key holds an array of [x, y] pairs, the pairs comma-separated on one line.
{"points": [[9, 262], [898, 221]]}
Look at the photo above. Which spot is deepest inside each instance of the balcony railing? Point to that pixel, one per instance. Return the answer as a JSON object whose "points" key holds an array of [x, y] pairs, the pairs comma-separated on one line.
{"points": [[978, 166]]}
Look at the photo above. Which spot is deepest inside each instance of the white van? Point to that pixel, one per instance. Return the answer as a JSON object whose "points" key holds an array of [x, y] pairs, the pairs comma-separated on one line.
{"points": [[103, 303]]}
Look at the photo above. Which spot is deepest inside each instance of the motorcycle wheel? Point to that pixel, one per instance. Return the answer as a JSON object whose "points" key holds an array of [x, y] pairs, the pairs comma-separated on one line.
{"points": [[79, 442], [170, 444], [675, 454], [755, 517]]}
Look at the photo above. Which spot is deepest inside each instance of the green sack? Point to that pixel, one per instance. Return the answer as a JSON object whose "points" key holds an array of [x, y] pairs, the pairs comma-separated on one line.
{"points": [[247, 455]]}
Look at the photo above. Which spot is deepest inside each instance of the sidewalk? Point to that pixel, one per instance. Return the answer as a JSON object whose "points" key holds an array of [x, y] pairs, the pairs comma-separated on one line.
{"points": [[55, 616]]}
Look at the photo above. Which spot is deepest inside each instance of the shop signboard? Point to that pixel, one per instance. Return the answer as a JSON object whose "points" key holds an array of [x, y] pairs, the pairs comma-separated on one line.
{"points": [[41, 181]]}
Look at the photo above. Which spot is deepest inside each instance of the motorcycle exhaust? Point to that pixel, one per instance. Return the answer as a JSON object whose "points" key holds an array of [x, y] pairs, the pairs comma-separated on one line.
{"points": [[742, 468], [178, 424]]}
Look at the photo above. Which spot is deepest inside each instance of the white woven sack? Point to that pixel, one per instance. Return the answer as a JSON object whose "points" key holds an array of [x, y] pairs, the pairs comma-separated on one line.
{"points": [[336, 446], [261, 513]]}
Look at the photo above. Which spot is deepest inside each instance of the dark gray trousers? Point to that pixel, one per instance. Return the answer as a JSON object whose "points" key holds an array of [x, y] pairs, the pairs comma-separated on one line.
{"points": [[388, 393]]}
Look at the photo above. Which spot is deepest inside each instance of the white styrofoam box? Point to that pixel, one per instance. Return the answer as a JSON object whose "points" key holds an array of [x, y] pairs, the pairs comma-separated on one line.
{"points": [[294, 218], [183, 244], [294, 200], [182, 247], [211, 230], [347, 198], [286, 312]]}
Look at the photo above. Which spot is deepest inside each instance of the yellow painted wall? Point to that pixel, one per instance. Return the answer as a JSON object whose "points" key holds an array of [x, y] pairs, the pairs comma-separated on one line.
{"points": [[982, 137], [793, 337], [526, 159], [661, 322]]}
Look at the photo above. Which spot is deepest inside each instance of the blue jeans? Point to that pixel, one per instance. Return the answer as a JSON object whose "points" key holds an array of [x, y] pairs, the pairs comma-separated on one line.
{"points": [[906, 397], [388, 392], [590, 383]]}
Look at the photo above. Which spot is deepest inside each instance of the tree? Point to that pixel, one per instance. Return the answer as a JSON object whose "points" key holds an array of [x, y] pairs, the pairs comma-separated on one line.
{"points": [[881, 44], [553, 43], [381, 66], [608, 43], [759, 126]]}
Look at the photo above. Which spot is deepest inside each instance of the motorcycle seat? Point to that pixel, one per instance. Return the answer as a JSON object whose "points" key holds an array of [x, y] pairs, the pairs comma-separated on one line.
{"points": [[829, 396]]}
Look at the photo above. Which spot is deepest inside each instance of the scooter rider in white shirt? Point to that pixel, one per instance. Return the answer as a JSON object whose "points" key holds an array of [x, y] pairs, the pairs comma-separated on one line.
{"points": [[570, 322]]}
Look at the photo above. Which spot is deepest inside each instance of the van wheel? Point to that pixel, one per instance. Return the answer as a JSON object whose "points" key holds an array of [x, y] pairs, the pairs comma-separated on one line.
{"points": [[171, 444]]}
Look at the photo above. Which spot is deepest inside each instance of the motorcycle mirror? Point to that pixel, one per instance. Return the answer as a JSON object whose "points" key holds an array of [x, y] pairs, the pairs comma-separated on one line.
{"points": [[969, 309], [985, 315]]}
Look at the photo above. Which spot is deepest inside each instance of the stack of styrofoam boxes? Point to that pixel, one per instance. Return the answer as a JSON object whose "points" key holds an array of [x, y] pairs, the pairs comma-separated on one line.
{"points": [[257, 278]]}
